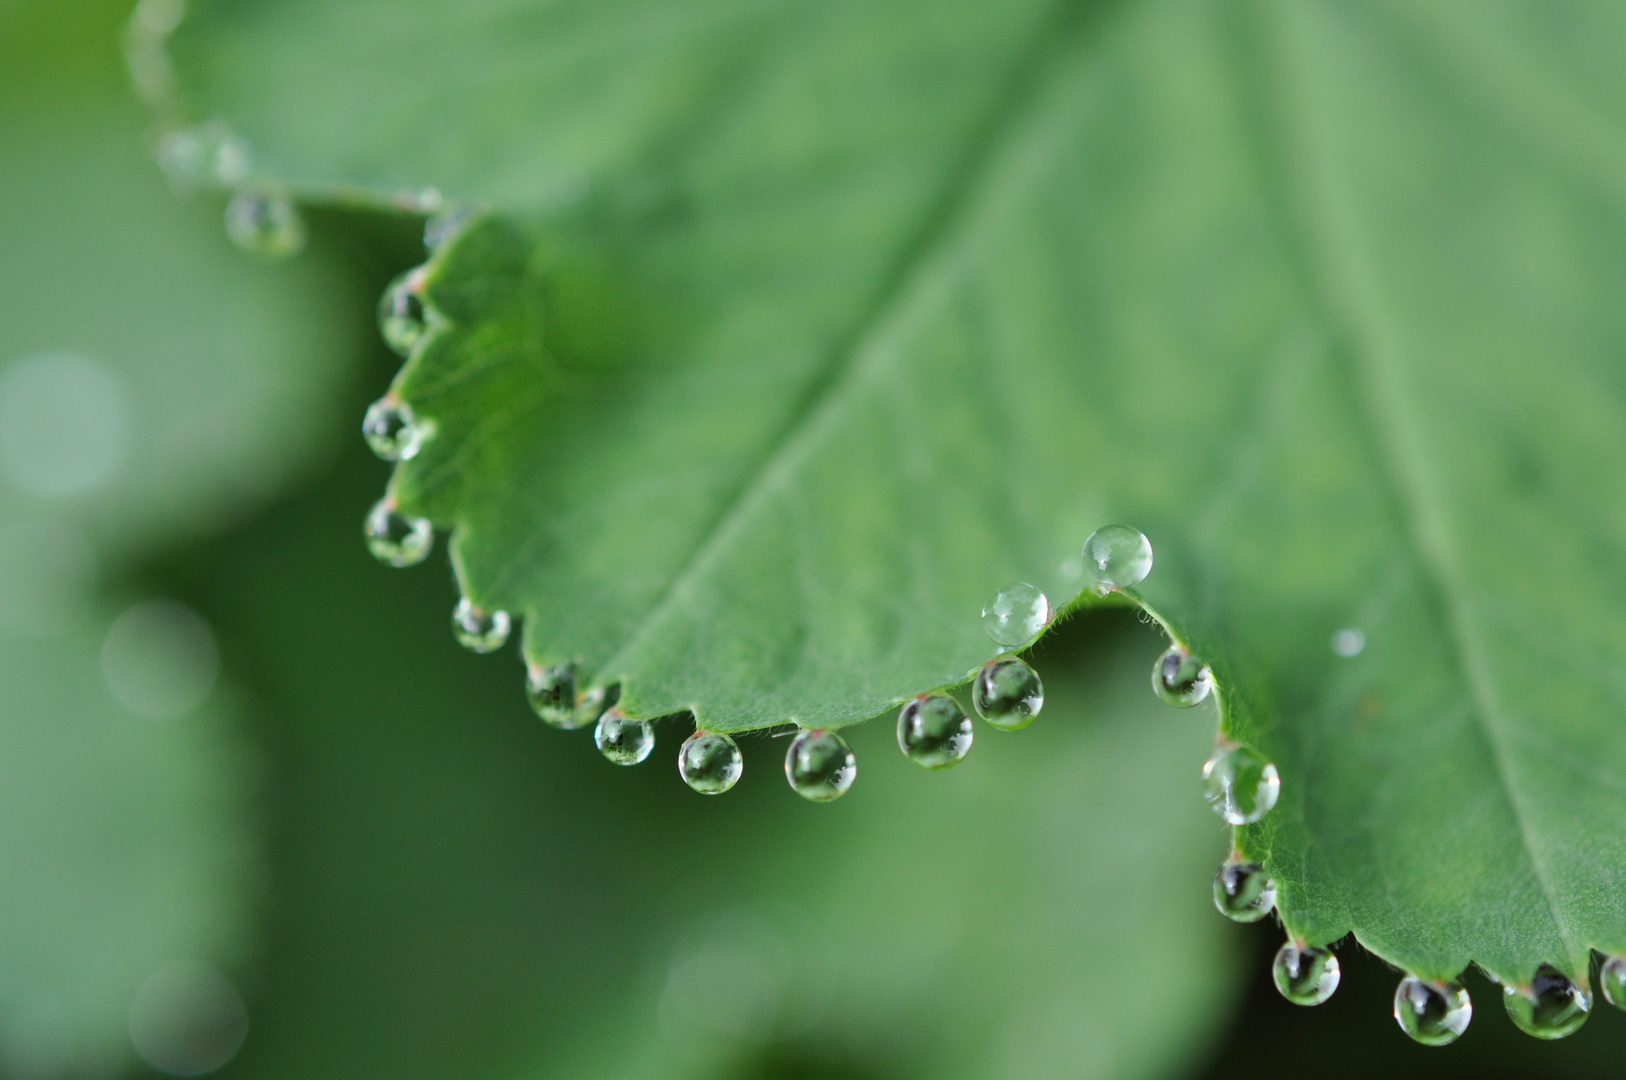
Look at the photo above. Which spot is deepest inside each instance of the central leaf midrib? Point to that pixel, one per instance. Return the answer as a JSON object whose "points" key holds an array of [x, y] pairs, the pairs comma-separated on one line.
{"points": [[1028, 73]]}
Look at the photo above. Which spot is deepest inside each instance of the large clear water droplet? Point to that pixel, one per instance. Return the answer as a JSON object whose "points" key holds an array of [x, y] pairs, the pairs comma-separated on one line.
{"points": [[1116, 557], [1244, 892], [820, 766], [395, 538], [1014, 615], [265, 223], [1552, 1007], [1240, 784], [934, 732], [391, 429], [710, 762], [1432, 1013], [623, 741], [403, 318], [552, 694], [479, 631], [1007, 693], [1181, 679], [1612, 978], [1305, 975]]}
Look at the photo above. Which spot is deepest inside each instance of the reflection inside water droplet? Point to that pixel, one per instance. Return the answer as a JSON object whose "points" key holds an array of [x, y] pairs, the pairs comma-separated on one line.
{"points": [[1181, 679], [265, 223], [159, 659], [479, 631], [1305, 975], [391, 429], [64, 424], [934, 732], [1244, 892], [820, 766], [403, 318], [1552, 1007], [623, 741], [1007, 693], [710, 762], [187, 1020], [395, 538], [1240, 784], [1432, 1013], [1116, 557], [1014, 615]]}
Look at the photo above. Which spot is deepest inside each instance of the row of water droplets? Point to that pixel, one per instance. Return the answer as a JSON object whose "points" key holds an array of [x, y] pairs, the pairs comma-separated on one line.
{"points": [[934, 731]]}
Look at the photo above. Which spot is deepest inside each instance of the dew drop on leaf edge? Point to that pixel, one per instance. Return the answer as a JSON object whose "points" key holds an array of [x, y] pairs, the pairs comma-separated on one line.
{"points": [[1244, 892], [1007, 693], [934, 732], [1240, 784], [1552, 1007], [820, 766], [265, 223], [1014, 615], [392, 430], [1612, 981], [402, 316], [1180, 679], [397, 539], [1305, 974], [552, 694], [623, 741], [480, 631], [710, 762], [1116, 557], [1433, 1014]]}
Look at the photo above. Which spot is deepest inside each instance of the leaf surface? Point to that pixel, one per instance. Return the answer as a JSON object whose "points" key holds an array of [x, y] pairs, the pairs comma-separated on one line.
{"points": [[869, 310]]}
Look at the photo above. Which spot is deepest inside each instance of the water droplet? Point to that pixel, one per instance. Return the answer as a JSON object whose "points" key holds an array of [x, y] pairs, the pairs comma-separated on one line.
{"points": [[403, 317], [266, 224], [1007, 693], [204, 154], [1348, 643], [396, 538], [552, 693], [934, 732], [187, 1020], [592, 702], [391, 428], [820, 766], [1305, 975], [1432, 1013], [1116, 557], [64, 424], [623, 741], [1612, 978], [1181, 679], [710, 762], [1552, 1007], [1240, 784], [445, 225], [1244, 892], [1014, 615], [479, 631]]}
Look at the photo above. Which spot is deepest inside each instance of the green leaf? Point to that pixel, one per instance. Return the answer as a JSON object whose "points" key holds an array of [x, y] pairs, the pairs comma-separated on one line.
{"points": [[871, 309]]}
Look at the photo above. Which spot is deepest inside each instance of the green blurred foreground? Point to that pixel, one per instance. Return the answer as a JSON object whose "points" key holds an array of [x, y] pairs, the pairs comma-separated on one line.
{"points": [[256, 806]]}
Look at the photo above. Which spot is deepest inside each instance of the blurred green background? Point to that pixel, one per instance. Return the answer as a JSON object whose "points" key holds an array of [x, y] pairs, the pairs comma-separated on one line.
{"points": [[259, 813]]}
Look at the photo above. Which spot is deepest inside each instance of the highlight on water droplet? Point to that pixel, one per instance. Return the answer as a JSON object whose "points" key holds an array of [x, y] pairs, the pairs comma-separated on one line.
{"points": [[1116, 557], [1551, 1007], [1240, 784], [1243, 891], [1612, 979], [1348, 642], [1007, 693], [265, 223], [820, 765], [1181, 679], [1305, 975], [392, 430], [403, 317], [622, 740], [710, 762], [397, 539], [479, 631], [552, 694], [1014, 615], [934, 732], [1433, 1013]]}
